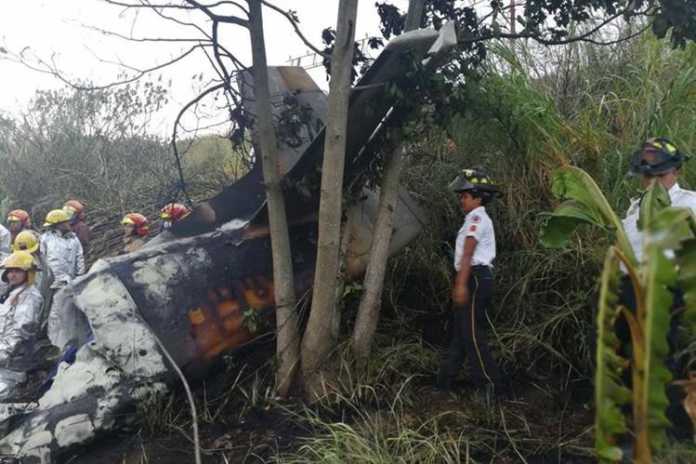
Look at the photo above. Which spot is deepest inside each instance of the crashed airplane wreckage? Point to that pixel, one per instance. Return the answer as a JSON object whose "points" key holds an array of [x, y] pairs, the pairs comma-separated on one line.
{"points": [[192, 288]]}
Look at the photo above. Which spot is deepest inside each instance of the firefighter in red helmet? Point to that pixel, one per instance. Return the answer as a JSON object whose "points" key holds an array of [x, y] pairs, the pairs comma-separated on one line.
{"points": [[173, 213], [136, 228]]}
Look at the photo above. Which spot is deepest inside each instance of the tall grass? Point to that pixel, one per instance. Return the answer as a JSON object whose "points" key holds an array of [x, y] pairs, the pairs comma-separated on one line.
{"points": [[590, 106]]}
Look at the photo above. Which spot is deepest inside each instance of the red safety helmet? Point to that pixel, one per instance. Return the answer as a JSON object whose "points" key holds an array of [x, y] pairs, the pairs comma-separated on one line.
{"points": [[174, 212], [139, 222], [75, 206], [19, 215]]}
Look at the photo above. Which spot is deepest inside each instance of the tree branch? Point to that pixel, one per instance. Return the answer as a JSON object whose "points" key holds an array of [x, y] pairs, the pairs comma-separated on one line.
{"points": [[219, 18], [52, 69], [174, 133], [585, 37], [294, 24]]}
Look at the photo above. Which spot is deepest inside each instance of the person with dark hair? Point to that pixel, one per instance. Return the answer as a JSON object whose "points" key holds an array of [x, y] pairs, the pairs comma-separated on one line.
{"points": [[472, 290]]}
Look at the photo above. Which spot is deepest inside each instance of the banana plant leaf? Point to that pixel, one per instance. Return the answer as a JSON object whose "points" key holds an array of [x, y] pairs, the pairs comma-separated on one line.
{"points": [[686, 258], [650, 399], [664, 228], [582, 203], [655, 199], [610, 394]]}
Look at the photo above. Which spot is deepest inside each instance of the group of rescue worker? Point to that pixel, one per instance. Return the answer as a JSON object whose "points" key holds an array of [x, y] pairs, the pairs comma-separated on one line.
{"points": [[35, 265]]}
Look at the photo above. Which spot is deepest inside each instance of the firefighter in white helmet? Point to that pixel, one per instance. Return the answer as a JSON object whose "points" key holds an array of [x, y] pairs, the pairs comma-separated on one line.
{"points": [[20, 310], [61, 249]]}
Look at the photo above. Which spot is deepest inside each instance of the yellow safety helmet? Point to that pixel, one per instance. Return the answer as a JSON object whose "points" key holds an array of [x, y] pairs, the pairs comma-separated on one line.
{"points": [[26, 240], [56, 216], [20, 260]]}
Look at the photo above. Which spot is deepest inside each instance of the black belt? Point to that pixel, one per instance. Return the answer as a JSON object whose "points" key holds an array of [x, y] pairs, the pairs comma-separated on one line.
{"points": [[481, 269]]}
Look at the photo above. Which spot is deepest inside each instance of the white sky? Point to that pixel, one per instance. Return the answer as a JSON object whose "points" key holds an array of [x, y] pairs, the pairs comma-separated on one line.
{"points": [[58, 30]]}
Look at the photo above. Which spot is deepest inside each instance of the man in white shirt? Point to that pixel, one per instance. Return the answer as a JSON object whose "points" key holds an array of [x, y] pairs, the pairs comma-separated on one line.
{"points": [[659, 159], [473, 285]]}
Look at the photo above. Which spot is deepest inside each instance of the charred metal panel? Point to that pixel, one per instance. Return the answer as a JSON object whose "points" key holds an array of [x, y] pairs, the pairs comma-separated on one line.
{"points": [[196, 295], [369, 106], [300, 155], [300, 107], [407, 224]]}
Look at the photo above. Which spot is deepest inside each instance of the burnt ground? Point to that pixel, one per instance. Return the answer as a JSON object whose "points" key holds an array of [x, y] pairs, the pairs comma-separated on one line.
{"points": [[543, 421], [539, 425]]}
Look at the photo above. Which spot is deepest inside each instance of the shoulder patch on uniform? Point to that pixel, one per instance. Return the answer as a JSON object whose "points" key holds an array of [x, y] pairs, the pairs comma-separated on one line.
{"points": [[476, 218]]}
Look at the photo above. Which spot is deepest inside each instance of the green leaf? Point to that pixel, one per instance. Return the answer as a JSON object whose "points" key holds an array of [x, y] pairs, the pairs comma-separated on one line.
{"points": [[654, 200], [610, 394], [583, 202], [659, 275], [560, 225], [686, 258]]}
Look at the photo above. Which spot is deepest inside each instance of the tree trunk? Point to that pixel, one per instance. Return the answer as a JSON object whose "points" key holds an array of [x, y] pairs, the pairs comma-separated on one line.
{"points": [[287, 334], [318, 340], [371, 301], [414, 15]]}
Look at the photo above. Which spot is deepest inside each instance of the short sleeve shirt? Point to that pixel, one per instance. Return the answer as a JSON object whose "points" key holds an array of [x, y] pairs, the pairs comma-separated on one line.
{"points": [[478, 225], [681, 198]]}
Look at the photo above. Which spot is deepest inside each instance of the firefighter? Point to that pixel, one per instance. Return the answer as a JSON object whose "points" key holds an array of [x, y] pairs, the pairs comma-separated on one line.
{"points": [[28, 241], [20, 308], [473, 285], [17, 221], [658, 159], [78, 224], [135, 229], [173, 213], [61, 249]]}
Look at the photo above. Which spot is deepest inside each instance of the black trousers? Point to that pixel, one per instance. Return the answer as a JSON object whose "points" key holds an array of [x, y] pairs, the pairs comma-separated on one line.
{"points": [[469, 338]]}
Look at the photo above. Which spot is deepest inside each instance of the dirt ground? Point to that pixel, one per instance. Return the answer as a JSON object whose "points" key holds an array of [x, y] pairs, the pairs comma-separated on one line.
{"points": [[558, 427]]}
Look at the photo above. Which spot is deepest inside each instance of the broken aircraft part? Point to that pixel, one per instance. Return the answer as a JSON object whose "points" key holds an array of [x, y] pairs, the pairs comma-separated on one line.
{"points": [[200, 289]]}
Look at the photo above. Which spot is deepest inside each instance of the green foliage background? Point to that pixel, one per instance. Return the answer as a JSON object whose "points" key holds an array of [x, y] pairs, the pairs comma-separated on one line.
{"points": [[529, 112]]}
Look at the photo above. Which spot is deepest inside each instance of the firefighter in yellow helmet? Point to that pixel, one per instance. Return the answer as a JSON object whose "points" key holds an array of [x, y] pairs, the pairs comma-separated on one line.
{"points": [[28, 240], [136, 228], [61, 249], [20, 312]]}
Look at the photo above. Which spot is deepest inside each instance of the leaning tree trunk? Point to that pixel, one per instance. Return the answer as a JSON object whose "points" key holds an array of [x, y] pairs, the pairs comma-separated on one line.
{"points": [[370, 303], [318, 341], [286, 318]]}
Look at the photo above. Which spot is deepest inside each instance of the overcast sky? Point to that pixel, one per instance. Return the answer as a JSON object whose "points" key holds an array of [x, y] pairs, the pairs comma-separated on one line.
{"points": [[62, 31]]}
